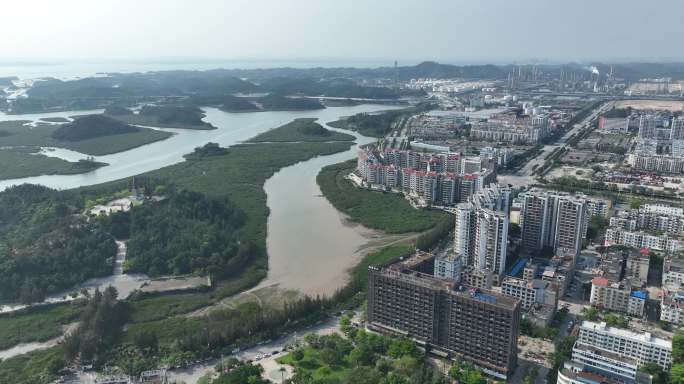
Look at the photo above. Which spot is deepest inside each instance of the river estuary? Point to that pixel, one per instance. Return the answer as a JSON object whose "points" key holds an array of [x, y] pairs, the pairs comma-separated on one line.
{"points": [[310, 244]]}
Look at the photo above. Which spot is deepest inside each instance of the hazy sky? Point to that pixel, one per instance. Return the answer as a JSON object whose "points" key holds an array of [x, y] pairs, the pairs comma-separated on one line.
{"points": [[443, 30]]}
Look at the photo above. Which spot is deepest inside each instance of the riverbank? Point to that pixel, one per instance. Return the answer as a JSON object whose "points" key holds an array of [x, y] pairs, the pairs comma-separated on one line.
{"points": [[301, 130], [388, 212], [28, 162], [240, 175], [20, 134]]}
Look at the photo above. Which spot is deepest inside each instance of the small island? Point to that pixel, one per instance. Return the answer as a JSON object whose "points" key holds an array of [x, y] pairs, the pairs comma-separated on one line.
{"points": [[301, 130], [28, 162], [94, 135], [166, 116], [55, 119]]}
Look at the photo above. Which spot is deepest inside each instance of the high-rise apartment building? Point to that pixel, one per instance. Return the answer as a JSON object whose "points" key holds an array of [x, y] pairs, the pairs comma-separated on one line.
{"points": [[475, 325], [571, 227], [481, 229], [553, 219], [647, 127], [491, 239]]}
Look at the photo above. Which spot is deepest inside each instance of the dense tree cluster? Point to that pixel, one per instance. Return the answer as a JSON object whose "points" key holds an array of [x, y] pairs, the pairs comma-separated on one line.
{"points": [[168, 114], [99, 327], [330, 88], [379, 124], [92, 126], [234, 371], [207, 150], [677, 371], [45, 245], [184, 233], [275, 102], [362, 357], [237, 104]]}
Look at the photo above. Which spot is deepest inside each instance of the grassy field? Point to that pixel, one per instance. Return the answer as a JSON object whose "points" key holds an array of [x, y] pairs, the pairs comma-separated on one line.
{"points": [[41, 136], [388, 212], [24, 162], [359, 274], [35, 367], [301, 130], [35, 325], [313, 364]]}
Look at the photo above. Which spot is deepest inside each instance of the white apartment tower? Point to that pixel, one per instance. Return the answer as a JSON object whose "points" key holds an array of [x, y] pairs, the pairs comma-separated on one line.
{"points": [[481, 230], [553, 219], [491, 238]]}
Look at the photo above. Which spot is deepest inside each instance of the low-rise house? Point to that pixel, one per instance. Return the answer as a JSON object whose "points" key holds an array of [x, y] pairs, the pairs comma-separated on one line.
{"points": [[617, 296]]}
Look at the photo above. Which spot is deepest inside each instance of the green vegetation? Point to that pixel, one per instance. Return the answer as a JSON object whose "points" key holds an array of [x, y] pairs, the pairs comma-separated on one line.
{"points": [[563, 352], [239, 175], [361, 358], [520, 159], [548, 332], [527, 328], [677, 370], [378, 124], [207, 150], [182, 234], [146, 308], [388, 212], [590, 313], [26, 162], [90, 127], [38, 324], [117, 110], [659, 375], [618, 113], [156, 334], [180, 340], [531, 375], [467, 374], [42, 136], [597, 224], [231, 103], [44, 246], [55, 119], [236, 372], [613, 320], [276, 102], [166, 116], [304, 129], [635, 203], [332, 88], [98, 329], [36, 367], [359, 274]]}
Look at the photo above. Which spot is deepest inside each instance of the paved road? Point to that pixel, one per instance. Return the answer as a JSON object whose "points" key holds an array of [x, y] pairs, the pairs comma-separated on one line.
{"points": [[524, 176]]}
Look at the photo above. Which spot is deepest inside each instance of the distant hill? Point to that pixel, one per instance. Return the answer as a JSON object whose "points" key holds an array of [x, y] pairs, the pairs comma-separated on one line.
{"points": [[275, 102], [92, 126], [181, 115], [117, 110]]}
